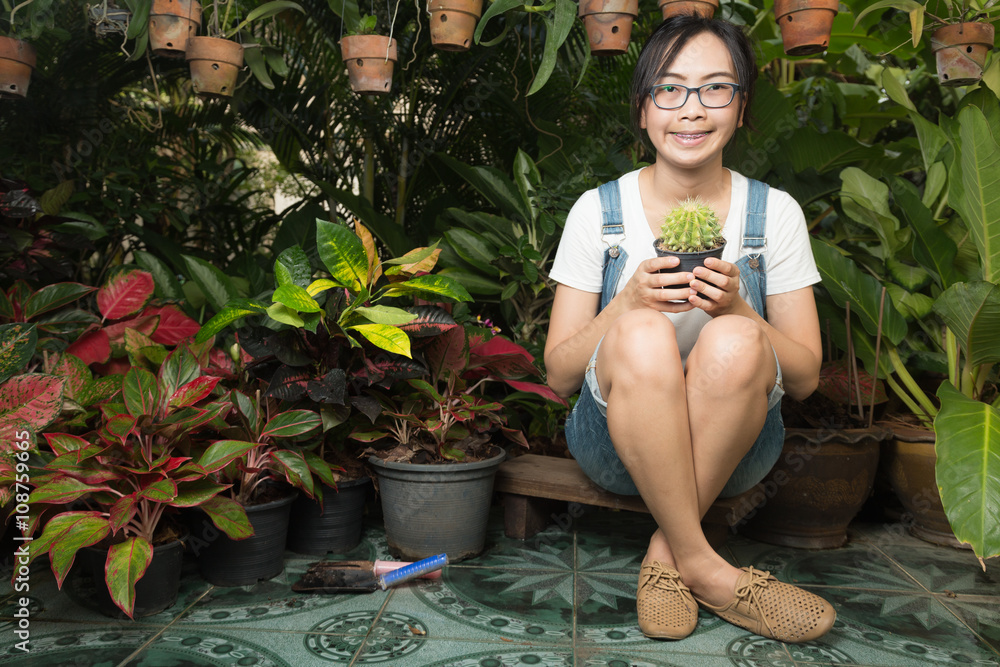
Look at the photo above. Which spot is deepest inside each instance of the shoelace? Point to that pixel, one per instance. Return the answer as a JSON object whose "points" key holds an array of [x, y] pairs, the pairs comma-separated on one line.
{"points": [[750, 593], [666, 579]]}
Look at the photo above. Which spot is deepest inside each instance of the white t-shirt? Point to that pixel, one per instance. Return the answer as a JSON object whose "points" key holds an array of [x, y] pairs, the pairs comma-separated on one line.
{"points": [[580, 256]]}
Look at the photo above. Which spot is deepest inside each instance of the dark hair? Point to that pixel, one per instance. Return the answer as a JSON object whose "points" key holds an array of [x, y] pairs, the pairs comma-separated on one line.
{"points": [[662, 47]]}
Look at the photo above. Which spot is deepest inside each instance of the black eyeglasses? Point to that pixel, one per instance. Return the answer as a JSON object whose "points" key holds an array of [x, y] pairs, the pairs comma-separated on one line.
{"points": [[711, 95]]}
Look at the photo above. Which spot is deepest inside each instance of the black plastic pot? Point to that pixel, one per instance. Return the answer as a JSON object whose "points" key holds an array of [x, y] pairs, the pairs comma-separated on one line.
{"points": [[337, 529], [226, 562], [154, 592], [689, 260]]}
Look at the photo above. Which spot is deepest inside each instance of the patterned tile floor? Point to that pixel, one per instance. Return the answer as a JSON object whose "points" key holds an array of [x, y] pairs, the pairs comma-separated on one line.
{"points": [[563, 598]]}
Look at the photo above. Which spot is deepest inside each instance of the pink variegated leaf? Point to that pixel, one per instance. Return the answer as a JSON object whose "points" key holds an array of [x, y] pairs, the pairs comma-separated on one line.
{"points": [[127, 563], [122, 511], [145, 324], [118, 428], [175, 327], [291, 423], [141, 392], [228, 516], [92, 348], [63, 490], [540, 389], [193, 391], [83, 530], [162, 491], [32, 398], [125, 294], [61, 443]]}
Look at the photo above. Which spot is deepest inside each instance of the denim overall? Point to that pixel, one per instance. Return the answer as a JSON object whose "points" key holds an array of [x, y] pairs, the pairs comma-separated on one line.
{"points": [[587, 428]]}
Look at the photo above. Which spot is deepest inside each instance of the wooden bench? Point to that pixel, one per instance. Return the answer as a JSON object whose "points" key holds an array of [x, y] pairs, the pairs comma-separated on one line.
{"points": [[531, 485]]}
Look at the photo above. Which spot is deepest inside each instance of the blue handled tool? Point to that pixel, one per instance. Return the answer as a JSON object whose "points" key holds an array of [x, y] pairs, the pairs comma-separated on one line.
{"points": [[412, 571]]}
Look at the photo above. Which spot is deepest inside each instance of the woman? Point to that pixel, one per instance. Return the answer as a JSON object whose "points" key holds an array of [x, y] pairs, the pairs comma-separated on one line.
{"points": [[681, 375]]}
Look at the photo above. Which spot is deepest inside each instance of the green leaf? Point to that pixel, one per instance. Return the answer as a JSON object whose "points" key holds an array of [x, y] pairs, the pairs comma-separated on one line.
{"points": [[385, 315], [127, 563], [166, 283], [223, 452], [389, 338], [279, 312], [882, 5], [846, 282], [932, 247], [291, 423], [492, 184], [979, 204], [296, 469], [254, 59], [194, 493], [556, 31], [866, 200], [292, 267], [267, 10], [141, 392], [895, 90], [73, 530], [474, 249], [228, 516], [343, 254], [235, 310], [473, 282], [63, 490], [55, 296], [319, 286], [430, 287], [296, 298], [972, 312], [17, 344], [320, 468], [967, 443], [161, 491], [497, 7], [216, 285]]}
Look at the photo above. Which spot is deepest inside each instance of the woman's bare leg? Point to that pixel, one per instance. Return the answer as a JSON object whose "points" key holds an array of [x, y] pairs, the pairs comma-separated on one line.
{"points": [[681, 437]]}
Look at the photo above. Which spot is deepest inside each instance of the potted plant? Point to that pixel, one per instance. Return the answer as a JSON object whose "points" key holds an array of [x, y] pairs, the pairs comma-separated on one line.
{"points": [[690, 232], [961, 38], [954, 304], [17, 57], [436, 449], [703, 8], [262, 481], [453, 22], [331, 342], [805, 24], [171, 24], [608, 24], [138, 464], [369, 57], [215, 60]]}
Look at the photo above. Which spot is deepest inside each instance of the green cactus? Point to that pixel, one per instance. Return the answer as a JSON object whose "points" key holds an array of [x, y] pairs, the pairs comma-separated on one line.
{"points": [[691, 226]]}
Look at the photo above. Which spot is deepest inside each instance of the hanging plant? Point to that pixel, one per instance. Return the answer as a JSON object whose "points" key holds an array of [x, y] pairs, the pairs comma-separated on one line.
{"points": [[608, 24], [370, 58], [171, 24], [28, 19], [960, 40], [109, 19], [453, 22], [215, 60], [805, 24]]}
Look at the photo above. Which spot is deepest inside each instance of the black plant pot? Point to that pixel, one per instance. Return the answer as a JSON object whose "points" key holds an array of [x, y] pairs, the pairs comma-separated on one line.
{"points": [[688, 260], [154, 592], [338, 528], [227, 562]]}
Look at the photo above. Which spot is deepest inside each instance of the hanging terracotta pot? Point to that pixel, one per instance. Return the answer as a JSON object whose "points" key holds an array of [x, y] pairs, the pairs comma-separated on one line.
{"points": [[805, 24], [369, 60], [703, 8], [215, 64], [171, 24], [453, 22], [960, 51], [17, 60], [608, 24]]}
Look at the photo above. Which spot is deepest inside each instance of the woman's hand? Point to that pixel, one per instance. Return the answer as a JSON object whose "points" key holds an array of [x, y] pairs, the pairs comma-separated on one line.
{"points": [[666, 292], [716, 287]]}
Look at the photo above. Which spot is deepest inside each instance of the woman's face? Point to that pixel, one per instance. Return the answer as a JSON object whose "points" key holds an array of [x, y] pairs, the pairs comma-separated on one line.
{"points": [[693, 135]]}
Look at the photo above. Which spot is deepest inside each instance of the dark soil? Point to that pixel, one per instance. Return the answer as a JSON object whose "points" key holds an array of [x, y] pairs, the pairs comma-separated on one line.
{"points": [[818, 411]]}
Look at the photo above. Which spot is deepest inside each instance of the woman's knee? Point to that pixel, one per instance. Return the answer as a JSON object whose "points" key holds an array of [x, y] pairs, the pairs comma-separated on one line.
{"points": [[734, 348], [641, 339]]}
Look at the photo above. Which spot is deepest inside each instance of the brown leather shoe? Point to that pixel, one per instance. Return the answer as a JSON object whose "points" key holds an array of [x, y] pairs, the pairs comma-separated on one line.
{"points": [[776, 610], [667, 609]]}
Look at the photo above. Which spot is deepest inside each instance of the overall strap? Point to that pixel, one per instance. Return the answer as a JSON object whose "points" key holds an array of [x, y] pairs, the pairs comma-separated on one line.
{"points": [[754, 242], [612, 223]]}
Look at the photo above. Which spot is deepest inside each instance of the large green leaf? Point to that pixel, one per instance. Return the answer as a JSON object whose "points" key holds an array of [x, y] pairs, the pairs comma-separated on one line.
{"points": [[383, 315], [51, 297], [235, 310], [228, 516], [127, 563], [979, 204], [216, 285], [846, 282], [79, 529], [166, 283], [296, 298], [972, 312], [968, 468], [343, 253], [556, 31], [295, 468], [497, 7], [141, 392], [430, 287], [474, 249], [386, 337], [932, 247], [266, 10], [17, 344], [292, 267], [866, 200], [291, 423], [221, 453], [492, 184]]}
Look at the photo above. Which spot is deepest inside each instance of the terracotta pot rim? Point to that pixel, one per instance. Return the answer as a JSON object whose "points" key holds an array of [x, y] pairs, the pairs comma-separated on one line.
{"points": [[785, 7], [958, 34], [630, 7], [841, 435], [194, 16], [465, 6], [214, 48], [714, 3], [25, 53], [368, 46]]}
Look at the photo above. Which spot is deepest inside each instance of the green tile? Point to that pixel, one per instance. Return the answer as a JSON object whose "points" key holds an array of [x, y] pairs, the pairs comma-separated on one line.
{"points": [[944, 569], [851, 566], [214, 647], [75, 644], [980, 613], [418, 652], [485, 604]]}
